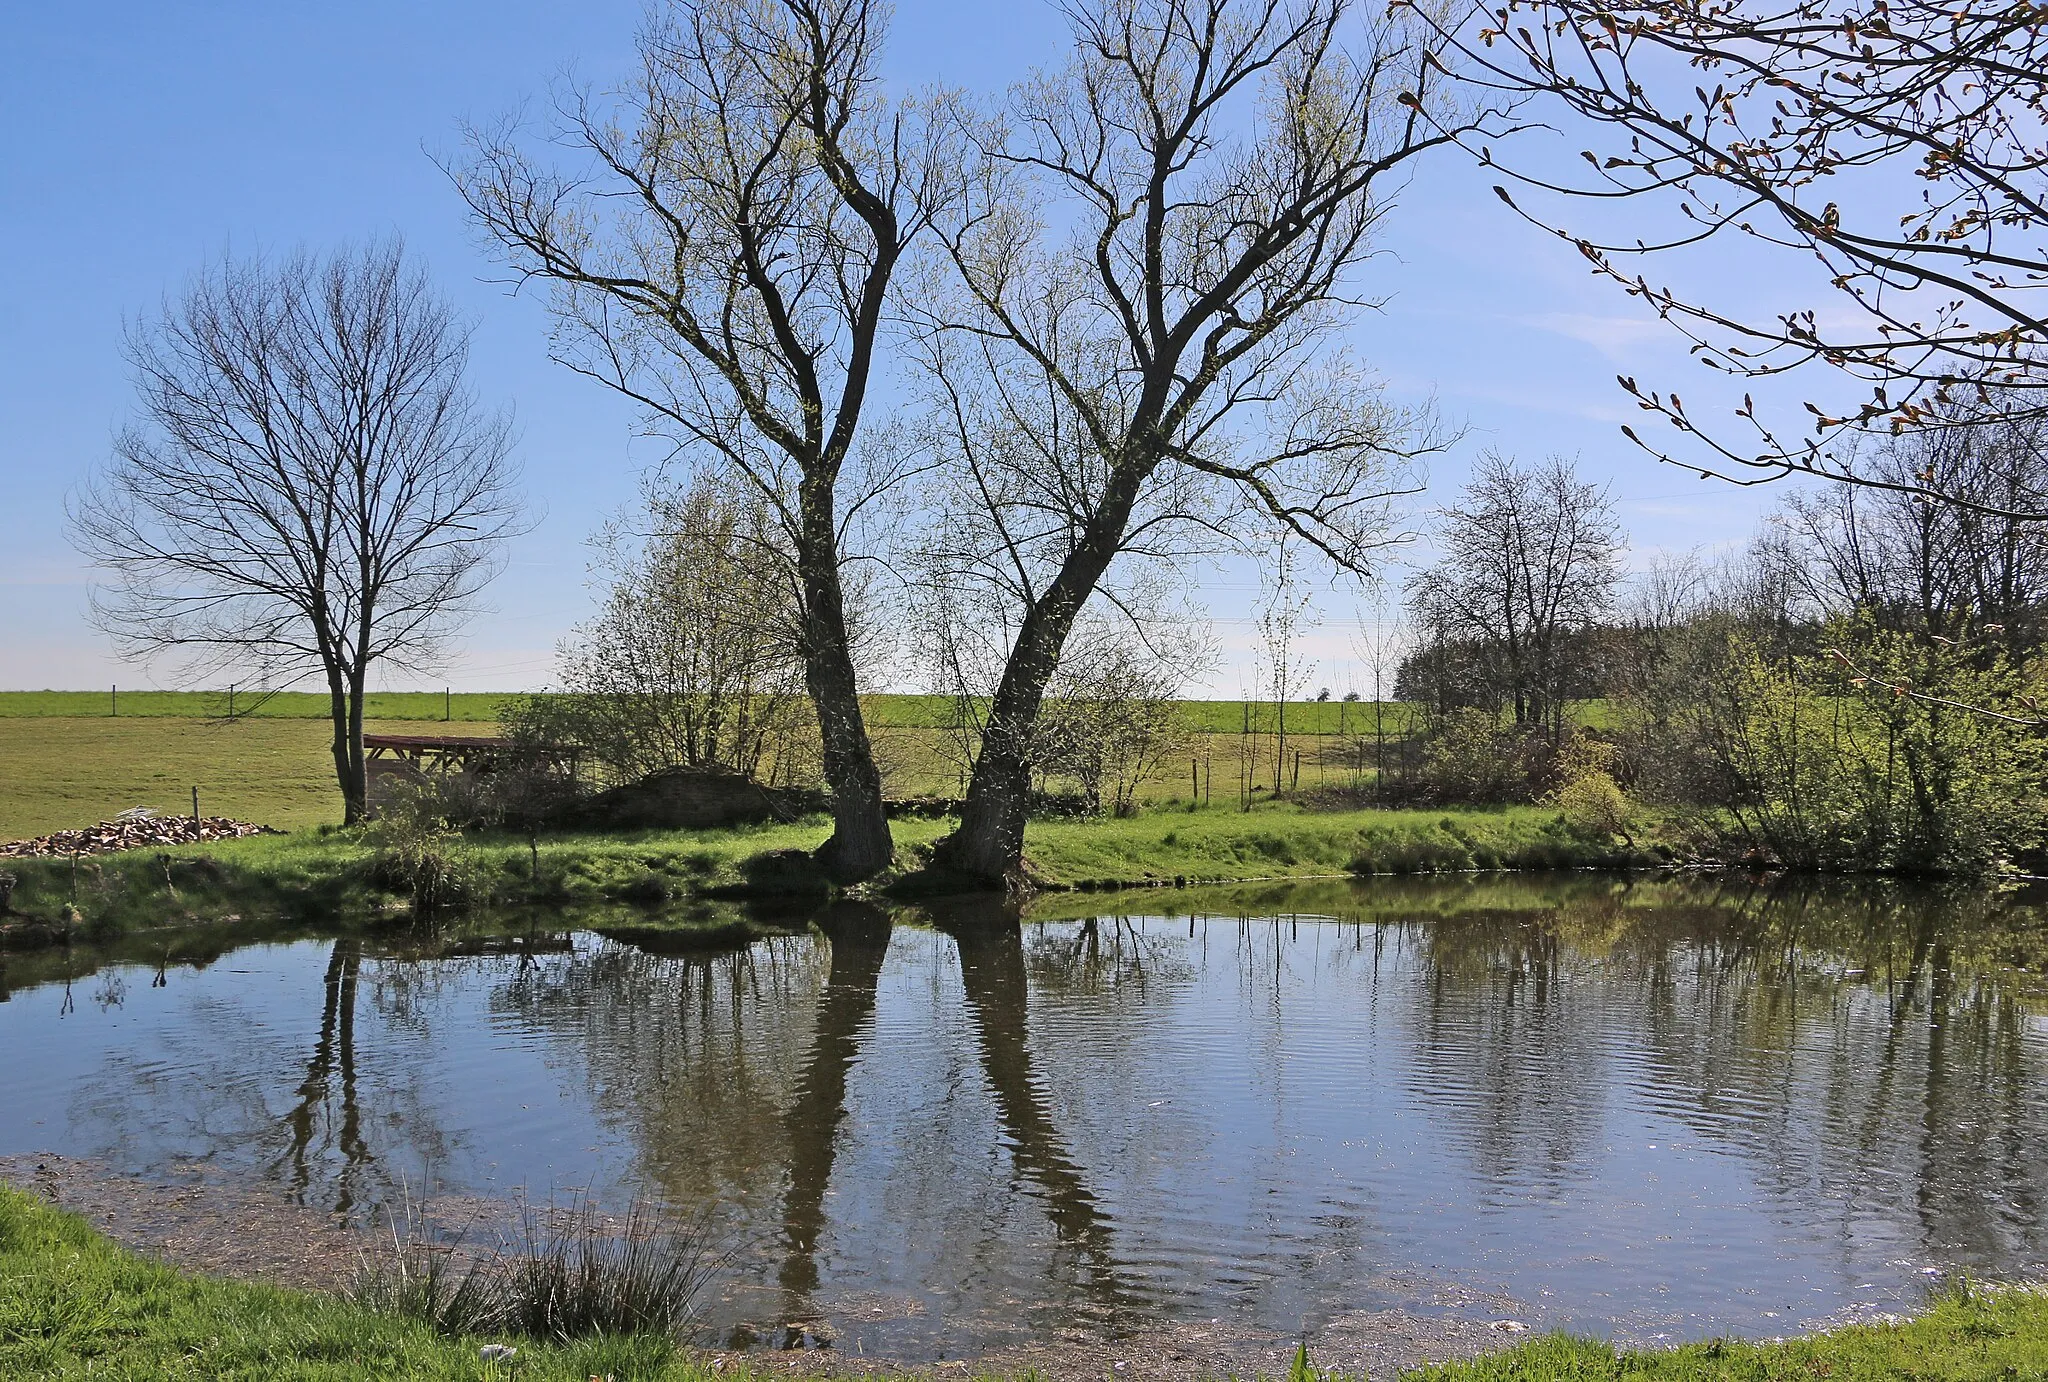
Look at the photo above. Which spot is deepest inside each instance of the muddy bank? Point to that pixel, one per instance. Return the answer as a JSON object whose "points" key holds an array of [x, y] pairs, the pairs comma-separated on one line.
{"points": [[202, 1226]]}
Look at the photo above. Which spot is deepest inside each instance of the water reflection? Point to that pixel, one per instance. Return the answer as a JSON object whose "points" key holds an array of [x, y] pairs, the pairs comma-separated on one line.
{"points": [[335, 1050], [989, 939], [1672, 1107], [856, 937]]}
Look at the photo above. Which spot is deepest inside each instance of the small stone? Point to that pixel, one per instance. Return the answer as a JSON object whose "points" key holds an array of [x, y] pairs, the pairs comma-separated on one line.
{"points": [[1509, 1326]]}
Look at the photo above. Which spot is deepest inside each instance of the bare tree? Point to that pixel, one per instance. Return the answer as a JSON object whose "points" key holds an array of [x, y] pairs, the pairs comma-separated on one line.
{"points": [[1921, 567], [725, 260], [309, 488], [1896, 145], [1527, 559], [1160, 234], [1285, 613]]}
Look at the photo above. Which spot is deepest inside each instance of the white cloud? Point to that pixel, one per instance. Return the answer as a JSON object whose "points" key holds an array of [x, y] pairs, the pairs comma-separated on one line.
{"points": [[1620, 339]]}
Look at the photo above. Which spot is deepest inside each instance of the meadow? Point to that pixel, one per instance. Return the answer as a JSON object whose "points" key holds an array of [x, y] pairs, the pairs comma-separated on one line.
{"points": [[68, 760]]}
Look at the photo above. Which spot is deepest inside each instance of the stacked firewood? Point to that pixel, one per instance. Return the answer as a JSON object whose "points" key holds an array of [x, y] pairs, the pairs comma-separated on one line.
{"points": [[132, 830]]}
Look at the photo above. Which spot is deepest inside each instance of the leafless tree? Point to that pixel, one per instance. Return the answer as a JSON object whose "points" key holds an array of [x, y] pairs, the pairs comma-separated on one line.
{"points": [[1929, 567], [309, 488], [1896, 145], [725, 259], [1527, 558], [1112, 717], [1286, 611], [1157, 237]]}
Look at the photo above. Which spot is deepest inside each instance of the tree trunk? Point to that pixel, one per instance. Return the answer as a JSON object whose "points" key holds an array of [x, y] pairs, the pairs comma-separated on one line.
{"points": [[989, 845], [352, 809], [355, 787], [860, 846]]}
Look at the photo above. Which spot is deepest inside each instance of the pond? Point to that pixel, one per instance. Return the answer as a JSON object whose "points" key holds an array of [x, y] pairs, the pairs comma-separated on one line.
{"points": [[1651, 1110]]}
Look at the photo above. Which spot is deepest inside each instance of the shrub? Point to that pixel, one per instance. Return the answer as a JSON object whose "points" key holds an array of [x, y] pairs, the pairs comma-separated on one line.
{"points": [[1470, 758], [1586, 792], [418, 853], [1593, 805]]}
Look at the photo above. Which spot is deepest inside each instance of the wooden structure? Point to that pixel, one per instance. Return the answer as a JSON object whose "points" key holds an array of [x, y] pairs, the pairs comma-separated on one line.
{"points": [[391, 759]]}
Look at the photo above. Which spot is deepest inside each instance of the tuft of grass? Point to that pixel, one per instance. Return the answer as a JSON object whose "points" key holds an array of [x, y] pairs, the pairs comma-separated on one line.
{"points": [[570, 1276]]}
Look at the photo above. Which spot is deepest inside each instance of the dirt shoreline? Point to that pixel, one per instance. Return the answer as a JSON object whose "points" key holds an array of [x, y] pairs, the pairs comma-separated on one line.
{"points": [[253, 1234]]}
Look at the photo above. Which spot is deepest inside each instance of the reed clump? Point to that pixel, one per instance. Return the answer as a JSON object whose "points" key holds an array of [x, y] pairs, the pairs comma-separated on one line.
{"points": [[566, 1274]]}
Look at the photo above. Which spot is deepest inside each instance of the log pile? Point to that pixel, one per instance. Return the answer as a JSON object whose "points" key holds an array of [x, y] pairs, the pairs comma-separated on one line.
{"points": [[132, 830]]}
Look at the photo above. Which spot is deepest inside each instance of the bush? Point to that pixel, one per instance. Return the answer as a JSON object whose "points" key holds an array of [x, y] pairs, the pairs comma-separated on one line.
{"points": [[1593, 805], [1470, 759], [1586, 792], [418, 853]]}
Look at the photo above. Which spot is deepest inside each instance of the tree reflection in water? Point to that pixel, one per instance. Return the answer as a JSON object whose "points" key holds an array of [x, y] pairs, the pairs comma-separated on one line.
{"points": [[334, 1052], [857, 934], [1257, 1107]]}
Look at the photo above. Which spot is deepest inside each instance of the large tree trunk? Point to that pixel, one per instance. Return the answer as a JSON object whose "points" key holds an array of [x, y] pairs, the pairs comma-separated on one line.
{"points": [[860, 846], [988, 847], [355, 786], [346, 750]]}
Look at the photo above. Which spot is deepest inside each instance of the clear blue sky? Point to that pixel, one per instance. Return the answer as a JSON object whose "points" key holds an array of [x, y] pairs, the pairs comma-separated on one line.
{"points": [[145, 139]]}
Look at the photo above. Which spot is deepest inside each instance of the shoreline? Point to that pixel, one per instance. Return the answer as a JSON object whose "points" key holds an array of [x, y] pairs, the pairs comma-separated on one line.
{"points": [[193, 1262], [327, 874]]}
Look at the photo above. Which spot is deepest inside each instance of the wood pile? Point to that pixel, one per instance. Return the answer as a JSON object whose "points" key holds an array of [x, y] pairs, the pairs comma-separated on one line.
{"points": [[132, 831]]}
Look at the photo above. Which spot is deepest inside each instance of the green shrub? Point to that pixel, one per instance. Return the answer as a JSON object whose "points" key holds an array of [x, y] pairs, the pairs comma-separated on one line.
{"points": [[1593, 804]]}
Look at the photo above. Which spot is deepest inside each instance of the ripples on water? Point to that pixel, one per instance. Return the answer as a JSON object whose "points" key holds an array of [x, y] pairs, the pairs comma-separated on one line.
{"points": [[1652, 1110]]}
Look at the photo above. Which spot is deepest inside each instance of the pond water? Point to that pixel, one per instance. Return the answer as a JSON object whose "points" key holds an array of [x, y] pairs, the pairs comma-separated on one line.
{"points": [[1651, 1110]]}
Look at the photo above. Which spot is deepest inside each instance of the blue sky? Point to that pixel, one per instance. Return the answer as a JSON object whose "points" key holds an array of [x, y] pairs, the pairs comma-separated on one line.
{"points": [[144, 140]]}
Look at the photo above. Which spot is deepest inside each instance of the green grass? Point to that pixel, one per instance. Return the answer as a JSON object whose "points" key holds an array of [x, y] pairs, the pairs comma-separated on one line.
{"points": [[60, 773], [1281, 840], [1965, 1334], [74, 1305], [468, 707], [481, 707], [66, 763]]}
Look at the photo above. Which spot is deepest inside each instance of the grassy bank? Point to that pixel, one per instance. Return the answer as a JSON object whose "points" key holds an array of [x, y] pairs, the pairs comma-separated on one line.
{"points": [[331, 873], [74, 1305]]}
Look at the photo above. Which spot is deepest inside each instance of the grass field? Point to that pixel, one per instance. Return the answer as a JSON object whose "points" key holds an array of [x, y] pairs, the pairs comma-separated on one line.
{"points": [[74, 1305], [66, 763], [60, 773], [481, 707]]}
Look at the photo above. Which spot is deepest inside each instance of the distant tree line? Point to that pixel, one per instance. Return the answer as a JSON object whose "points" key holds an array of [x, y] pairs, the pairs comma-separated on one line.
{"points": [[1860, 688]]}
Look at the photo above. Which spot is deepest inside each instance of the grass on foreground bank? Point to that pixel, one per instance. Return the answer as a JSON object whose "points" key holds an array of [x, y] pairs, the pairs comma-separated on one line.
{"points": [[74, 1305], [332, 872]]}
